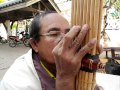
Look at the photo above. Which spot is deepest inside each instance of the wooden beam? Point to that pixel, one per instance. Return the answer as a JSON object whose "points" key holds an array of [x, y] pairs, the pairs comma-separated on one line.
{"points": [[30, 9], [53, 4], [18, 6], [16, 15], [39, 6], [44, 5]]}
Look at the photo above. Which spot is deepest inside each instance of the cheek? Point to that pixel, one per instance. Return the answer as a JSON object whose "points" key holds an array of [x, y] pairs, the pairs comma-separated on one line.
{"points": [[52, 43], [55, 41], [48, 44]]}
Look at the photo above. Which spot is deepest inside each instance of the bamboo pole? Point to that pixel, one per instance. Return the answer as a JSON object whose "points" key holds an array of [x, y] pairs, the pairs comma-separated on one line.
{"points": [[100, 22], [88, 19], [84, 16], [72, 14], [96, 23], [77, 12], [90, 81], [90, 12], [83, 79], [91, 18], [77, 81], [84, 11], [86, 79], [81, 12]]}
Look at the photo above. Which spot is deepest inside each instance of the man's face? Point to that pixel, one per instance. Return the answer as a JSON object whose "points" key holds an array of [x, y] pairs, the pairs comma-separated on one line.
{"points": [[53, 28]]}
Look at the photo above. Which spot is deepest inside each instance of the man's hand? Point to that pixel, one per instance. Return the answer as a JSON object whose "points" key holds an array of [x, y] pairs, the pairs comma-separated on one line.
{"points": [[68, 57]]}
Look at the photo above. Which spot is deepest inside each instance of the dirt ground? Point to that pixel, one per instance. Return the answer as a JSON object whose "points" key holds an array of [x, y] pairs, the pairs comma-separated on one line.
{"points": [[8, 56]]}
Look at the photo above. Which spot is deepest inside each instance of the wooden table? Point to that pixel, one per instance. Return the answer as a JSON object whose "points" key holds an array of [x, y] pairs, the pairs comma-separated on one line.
{"points": [[104, 60], [112, 50]]}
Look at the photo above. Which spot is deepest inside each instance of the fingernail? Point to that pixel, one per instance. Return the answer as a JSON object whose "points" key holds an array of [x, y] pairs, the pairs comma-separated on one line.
{"points": [[93, 41], [85, 27]]}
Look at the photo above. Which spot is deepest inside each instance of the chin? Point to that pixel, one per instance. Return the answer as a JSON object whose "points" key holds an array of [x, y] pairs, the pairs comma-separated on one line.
{"points": [[51, 62]]}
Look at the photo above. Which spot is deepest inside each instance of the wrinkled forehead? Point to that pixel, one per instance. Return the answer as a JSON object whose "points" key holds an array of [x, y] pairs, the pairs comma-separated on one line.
{"points": [[54, 20]]}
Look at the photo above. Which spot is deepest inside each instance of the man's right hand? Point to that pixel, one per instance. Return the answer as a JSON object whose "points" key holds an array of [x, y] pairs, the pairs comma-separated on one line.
{"points": [[68, 57]]}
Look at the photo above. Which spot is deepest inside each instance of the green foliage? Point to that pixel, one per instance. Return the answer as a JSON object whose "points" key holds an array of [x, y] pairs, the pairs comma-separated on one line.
{"points": [[116, 5], [1, 1], [14, 26], [106, 2]]}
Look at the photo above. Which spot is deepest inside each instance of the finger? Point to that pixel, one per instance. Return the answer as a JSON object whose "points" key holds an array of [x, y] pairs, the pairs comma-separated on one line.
{"points": [[84, 50], [70, 36], [100, 48], [77, 42], [57, 47]]}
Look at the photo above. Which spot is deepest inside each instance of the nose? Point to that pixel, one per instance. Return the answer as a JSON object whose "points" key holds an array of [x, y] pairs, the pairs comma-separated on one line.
{"points": [[61, 36]]}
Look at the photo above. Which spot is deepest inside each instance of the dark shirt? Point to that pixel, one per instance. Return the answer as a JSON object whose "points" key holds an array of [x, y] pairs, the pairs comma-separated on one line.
{"points": [[47, 82]]}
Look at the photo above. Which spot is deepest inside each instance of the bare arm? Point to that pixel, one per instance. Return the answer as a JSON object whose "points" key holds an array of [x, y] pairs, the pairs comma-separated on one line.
{"points": [[65, 83]]}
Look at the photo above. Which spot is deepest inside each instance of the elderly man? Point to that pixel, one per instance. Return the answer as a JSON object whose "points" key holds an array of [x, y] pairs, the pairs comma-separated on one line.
{"points": [[54, 59]]}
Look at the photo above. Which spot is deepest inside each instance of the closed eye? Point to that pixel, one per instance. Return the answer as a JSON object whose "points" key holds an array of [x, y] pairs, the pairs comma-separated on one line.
{"points": [[54, 33], [54, 30], [67, 30]]}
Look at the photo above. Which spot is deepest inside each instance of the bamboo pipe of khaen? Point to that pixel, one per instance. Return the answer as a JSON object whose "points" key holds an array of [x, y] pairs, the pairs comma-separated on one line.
{"points": [[99, 26], [87, 12]]}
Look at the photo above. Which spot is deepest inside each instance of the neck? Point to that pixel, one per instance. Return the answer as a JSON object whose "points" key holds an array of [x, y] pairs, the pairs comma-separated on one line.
{"points": [[50, 67]]}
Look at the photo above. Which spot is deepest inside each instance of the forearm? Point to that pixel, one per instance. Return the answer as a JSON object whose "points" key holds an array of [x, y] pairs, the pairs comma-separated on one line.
{"points": [[65, 84]]}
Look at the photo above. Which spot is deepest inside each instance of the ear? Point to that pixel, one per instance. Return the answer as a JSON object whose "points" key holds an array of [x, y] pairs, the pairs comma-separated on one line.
{"points": [[33, 45]]}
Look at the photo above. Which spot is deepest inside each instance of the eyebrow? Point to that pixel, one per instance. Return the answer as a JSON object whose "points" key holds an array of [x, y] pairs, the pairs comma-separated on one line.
{"points": [[54, 29], [58, 29]]}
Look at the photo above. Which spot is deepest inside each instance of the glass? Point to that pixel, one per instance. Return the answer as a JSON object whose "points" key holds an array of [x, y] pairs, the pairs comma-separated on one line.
{"points": [[53, 34]]}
